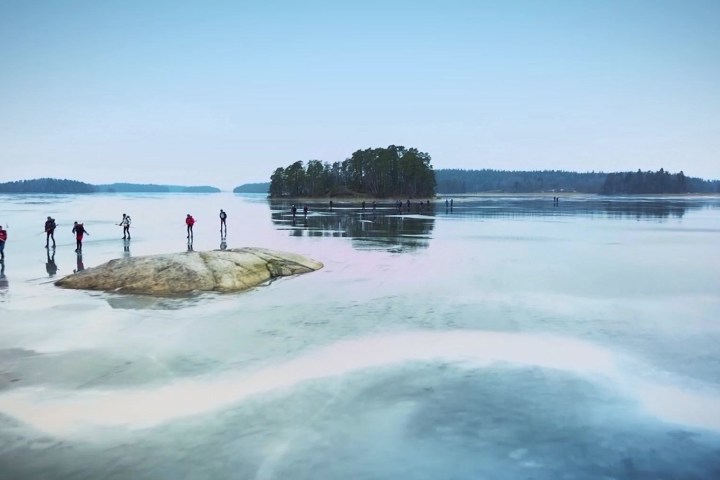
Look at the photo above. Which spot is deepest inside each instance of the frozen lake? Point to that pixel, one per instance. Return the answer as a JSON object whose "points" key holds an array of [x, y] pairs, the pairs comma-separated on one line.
{"points": [[509, 338]]}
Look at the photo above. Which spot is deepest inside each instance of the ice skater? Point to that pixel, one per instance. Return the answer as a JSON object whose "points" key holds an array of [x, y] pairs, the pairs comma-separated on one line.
{"points": [[50, 226], [189, 221], [125, 223], [223, 219], [79, 230], [3, 239]]}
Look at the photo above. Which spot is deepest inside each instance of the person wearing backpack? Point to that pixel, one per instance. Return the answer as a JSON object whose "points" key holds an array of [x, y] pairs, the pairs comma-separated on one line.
{"points": [[79, 230], [125, 222], [50, 226], [189, 221]]}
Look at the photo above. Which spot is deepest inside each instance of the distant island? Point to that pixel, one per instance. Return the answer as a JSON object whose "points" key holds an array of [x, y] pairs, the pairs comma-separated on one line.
{"points": [[263, 187], [58, 186], [394, 171], [152, 188]]}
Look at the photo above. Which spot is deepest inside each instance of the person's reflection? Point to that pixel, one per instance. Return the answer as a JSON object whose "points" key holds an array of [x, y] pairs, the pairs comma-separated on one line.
{"points": [[190, 245], [80, 264], [50, 265], [126, 248], [223, 242], [3, 280]]}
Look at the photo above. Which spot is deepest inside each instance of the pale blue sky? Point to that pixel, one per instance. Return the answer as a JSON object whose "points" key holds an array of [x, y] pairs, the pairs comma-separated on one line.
{"points": [[223, 92]]}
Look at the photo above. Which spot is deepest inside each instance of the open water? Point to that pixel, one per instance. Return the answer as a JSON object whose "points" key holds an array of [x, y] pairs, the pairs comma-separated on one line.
{"points": [[505, 338]]}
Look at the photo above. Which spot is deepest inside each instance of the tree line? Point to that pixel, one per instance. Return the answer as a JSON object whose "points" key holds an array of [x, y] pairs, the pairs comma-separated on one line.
{"points": [[46, 185], [656, 182], [60, 186], [474, 181], [394, 171]]}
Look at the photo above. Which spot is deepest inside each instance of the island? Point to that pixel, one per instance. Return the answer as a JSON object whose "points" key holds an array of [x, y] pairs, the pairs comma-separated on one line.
{"points": [[64, 186], [231, 270], [394, 171]]}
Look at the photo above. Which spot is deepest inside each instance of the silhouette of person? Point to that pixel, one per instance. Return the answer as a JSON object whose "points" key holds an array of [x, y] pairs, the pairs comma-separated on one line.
{"points": [[3, 239], [125, 222], [189, 221], [79, 230], [294, 211], [50, 226], [223, 218], [374, 206], [50, 265], [330, 204], [305, 210]]}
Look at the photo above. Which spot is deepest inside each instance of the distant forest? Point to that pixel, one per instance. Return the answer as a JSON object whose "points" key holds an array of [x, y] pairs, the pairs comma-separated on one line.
{"points": [[263, 187], [375, 172], [46, 185], [52, 185], [656, 182], [476, 181], [152, 188]]}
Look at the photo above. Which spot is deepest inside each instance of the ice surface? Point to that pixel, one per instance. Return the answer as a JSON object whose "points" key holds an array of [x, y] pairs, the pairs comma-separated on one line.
{"points": [[507, 338]]}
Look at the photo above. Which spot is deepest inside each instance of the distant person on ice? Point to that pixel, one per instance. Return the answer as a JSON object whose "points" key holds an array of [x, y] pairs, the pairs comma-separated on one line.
{"points": [[223, 218], [3, 239], [189, 221], [125, 223], [79, 230], [50, 231]]}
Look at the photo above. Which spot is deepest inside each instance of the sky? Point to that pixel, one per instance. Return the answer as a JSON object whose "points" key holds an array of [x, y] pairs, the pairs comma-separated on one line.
{"points": [[223, 92]]}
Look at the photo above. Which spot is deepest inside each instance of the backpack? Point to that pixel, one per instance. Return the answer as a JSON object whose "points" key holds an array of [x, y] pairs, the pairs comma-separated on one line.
{"points": [[127, 220]]}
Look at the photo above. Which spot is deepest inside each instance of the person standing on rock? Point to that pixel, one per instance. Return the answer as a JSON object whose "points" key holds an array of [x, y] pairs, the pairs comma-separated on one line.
{"points": [[189, 221], [50, 231], [79, 230]]}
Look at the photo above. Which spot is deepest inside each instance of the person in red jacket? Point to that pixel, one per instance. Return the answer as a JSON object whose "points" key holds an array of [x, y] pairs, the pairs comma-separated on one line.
{"points": [[3, 239], [189, 221], [79, 231]]}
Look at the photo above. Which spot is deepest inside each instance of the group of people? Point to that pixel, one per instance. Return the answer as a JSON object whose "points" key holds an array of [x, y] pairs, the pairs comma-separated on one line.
{"points": [[80, 231]]}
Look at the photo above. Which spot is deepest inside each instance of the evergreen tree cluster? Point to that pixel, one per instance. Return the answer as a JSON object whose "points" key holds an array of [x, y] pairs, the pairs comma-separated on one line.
{"points": [[656, 182], [474, 181], [46, 185], [394, 171], [486, 180]]}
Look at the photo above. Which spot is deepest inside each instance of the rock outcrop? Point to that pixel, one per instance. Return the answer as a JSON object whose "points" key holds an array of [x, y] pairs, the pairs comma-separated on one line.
{"points": [[180, 273]]}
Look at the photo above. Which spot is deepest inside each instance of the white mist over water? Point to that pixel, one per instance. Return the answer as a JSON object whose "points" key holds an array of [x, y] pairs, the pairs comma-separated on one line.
{"points": [[504, 337]]}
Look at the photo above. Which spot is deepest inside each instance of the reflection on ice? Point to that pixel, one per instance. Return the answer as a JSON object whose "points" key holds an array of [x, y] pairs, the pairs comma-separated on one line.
{"points": [[64, 412]]}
